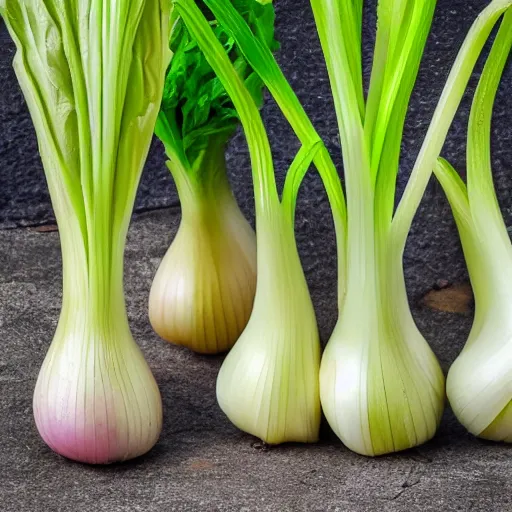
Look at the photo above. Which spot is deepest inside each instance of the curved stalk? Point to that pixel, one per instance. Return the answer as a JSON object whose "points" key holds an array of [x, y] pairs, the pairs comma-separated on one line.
{"points": [[295, 175], [360, 194], [268, 383], [443, 117], [478, 384]]}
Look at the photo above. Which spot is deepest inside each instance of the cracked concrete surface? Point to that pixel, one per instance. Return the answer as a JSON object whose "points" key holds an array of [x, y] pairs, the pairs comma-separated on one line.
{"points": [[202, 462]]}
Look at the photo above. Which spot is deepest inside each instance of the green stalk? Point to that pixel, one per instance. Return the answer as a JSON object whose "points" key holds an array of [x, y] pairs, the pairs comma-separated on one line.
{"points": [[391, 31], [261, 156], [350, 18], [482, 230], [265, 65], [389, 120], [443, 116], [359, 188], [295, 175], [488, 220], [203, 184], [398, 80], [457, 194]]}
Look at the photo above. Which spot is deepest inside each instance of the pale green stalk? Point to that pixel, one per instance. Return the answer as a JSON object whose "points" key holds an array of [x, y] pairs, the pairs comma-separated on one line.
{"points": [[478, 384], [332, 30], [443, 116], [92, 75], [268, 383]]}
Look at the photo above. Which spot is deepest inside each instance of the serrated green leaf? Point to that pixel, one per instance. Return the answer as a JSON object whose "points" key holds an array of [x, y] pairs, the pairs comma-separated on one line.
{"points": [[195, 102]]}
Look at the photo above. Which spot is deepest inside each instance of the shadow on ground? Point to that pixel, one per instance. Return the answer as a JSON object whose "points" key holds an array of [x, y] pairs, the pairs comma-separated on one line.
{"points": [[201, 461]]}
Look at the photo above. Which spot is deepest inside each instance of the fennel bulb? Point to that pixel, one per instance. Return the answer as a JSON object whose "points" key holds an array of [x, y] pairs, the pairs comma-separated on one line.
{"points": [[203, 291], [268, 383], [92, 75], [479, 383], [381, 387]]}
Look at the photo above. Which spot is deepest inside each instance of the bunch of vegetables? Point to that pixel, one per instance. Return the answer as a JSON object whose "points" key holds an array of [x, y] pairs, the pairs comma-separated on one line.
{"points": [[95, 97], [381, 387]]}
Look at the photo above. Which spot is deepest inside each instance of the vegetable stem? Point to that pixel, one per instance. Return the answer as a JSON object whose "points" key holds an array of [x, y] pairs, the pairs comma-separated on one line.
{"points": [[360, 223], [295, 175], [443, 116], [264, 63], [485, 209], [261, 159]]}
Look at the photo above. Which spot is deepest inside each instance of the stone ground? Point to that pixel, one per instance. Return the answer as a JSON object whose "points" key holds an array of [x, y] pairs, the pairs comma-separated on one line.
{"points": [[202, 462]]}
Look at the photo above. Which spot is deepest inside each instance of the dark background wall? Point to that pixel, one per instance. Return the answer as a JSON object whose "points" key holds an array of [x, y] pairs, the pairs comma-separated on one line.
{"points": [[433, 250]]}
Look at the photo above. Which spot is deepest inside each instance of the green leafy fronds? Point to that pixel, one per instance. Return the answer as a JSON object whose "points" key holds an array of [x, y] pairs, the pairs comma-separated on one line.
{"points": [[195, 105], [265, 189]]}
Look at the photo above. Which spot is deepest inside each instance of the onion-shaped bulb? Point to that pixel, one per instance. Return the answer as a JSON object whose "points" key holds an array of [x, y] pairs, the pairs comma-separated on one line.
{"points": [[96, 400], [268, 383], [381, 386], [479, 383], [203, 292]]}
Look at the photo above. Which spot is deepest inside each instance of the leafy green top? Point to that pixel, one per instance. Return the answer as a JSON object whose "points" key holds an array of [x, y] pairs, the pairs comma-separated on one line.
{"points": [[195, 106]]}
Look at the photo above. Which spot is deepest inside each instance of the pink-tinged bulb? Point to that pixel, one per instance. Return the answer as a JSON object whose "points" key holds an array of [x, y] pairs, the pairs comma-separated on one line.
{"points": [[96, 400], [94, 105]]}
